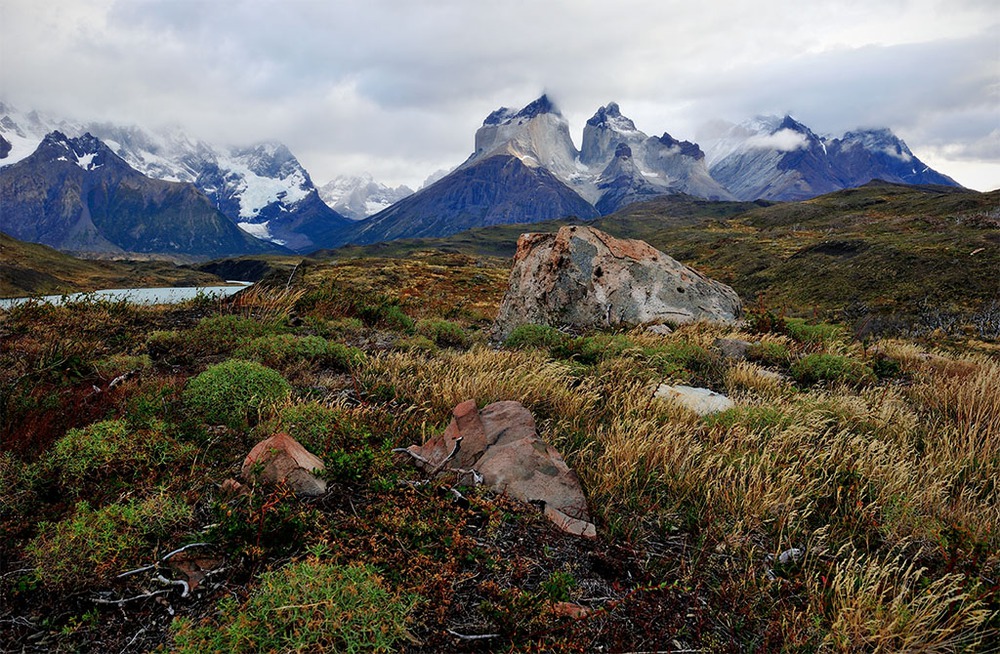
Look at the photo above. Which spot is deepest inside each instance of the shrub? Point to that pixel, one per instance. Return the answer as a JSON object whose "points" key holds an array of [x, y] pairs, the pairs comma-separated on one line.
{"points": [[218, 332], [119, 364], [233, 393], [803, 332], [770, 354], [443, 333], [525, 336], [307, 606], [284, 349], [111, 449], [822, 367], [589, 350], [91, 543], [416, 343], [168, 346]]}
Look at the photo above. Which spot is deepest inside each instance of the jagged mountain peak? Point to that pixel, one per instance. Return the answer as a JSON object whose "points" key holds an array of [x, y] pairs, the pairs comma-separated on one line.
{"points": [[507, 116], [879, 139], [610, 116], [687, 148], [86, 151]]}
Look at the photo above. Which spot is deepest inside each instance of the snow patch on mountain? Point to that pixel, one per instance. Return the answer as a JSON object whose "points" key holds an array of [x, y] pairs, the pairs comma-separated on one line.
{"points": [[255, 192], [360, 196]]}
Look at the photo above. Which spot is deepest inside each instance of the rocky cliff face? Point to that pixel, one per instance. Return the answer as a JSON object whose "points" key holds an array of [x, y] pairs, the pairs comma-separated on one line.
{"points": [[75, 194]]}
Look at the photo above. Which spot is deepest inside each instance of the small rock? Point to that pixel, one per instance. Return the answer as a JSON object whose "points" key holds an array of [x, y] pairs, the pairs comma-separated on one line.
{"points": [[284, 459], [791, 556], [232, 487], [700, 400], [569, 524], [569, 610], [660, 330], [733, 348]]}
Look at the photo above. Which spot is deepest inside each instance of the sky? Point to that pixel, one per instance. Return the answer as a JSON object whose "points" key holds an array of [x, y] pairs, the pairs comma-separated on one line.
{"points": [[397, 88]]}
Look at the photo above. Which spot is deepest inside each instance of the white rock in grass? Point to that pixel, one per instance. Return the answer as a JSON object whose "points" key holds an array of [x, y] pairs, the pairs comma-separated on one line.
{"points": [[700, 400]]}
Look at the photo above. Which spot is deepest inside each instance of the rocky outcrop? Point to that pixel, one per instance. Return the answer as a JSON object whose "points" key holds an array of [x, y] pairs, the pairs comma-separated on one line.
{"points": [[582, 278], [500, 447], [702, 401], [281, 458]]}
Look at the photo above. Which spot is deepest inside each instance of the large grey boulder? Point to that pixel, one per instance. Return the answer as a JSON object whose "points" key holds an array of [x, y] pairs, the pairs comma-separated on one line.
{"points": [[582, 278]]}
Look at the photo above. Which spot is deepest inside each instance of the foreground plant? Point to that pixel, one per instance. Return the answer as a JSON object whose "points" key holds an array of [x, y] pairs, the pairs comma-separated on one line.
{"points": [[304, 607]]}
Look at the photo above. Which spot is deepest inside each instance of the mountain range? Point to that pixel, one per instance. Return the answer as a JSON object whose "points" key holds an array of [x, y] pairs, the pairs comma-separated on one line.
{"points": [[524, 168]]}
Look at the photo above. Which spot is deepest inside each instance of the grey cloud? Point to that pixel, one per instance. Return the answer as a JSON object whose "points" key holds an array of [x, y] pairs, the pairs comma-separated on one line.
{"points": [[398, 87]]}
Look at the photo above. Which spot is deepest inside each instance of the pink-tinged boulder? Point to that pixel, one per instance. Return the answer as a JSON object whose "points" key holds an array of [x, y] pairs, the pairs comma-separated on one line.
{"points": [[282, 458], [499, 446], [530, 470], [582, 278]]}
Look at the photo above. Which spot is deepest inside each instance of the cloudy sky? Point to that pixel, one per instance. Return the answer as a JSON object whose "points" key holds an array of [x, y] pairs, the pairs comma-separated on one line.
{"points": [[398, 87]]}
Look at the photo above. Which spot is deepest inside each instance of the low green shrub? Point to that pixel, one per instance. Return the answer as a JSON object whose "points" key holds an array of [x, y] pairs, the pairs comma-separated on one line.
{"points": [[112, 449], [92, 545], [234, 393], [803, 332], [770, 354], [443, 332], [589, 350], [217, 333], [886, 367], [416, 343], [120, 364], [306, 606], [678, 357], [821, 367], [284, 349], [756, 419], [525, 336], [171, 347]]}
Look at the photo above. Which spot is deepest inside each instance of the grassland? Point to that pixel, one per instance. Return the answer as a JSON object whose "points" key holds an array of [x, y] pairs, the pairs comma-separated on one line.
{"points": [[30, 269], [895, 259], [848, 503]]}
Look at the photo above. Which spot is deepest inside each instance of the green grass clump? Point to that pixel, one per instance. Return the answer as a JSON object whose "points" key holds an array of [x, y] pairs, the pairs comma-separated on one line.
{"points": [[306, 606], [770, 354], [234, 393], [92, 545], [589, 350], [755, 419], [284, 349], [541, 336], [217, 332], [803, 332], [444, 333], [678, 358], [821, 367], [111, 449]]}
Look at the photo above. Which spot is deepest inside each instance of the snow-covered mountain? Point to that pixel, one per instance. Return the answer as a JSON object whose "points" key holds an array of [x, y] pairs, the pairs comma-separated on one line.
{"points": [[76, 194], [663, 163], [538, 135], [779, 158], [262, 188], [360, 196]]}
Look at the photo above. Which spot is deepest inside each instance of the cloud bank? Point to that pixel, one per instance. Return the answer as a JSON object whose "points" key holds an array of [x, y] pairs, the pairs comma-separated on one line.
{"points": [[398, 88]]}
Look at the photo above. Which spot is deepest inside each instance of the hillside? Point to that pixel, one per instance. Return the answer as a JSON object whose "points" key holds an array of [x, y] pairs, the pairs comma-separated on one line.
{"points": [[32, 269], [847, 502], [905, 254]]}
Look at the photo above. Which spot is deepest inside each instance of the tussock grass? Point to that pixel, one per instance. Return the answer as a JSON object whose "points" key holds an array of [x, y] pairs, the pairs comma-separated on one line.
{"points": [[881, 468]]}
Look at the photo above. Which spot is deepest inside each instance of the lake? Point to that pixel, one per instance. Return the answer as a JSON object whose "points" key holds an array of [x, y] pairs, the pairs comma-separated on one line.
{"points": [[168, 295]]}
